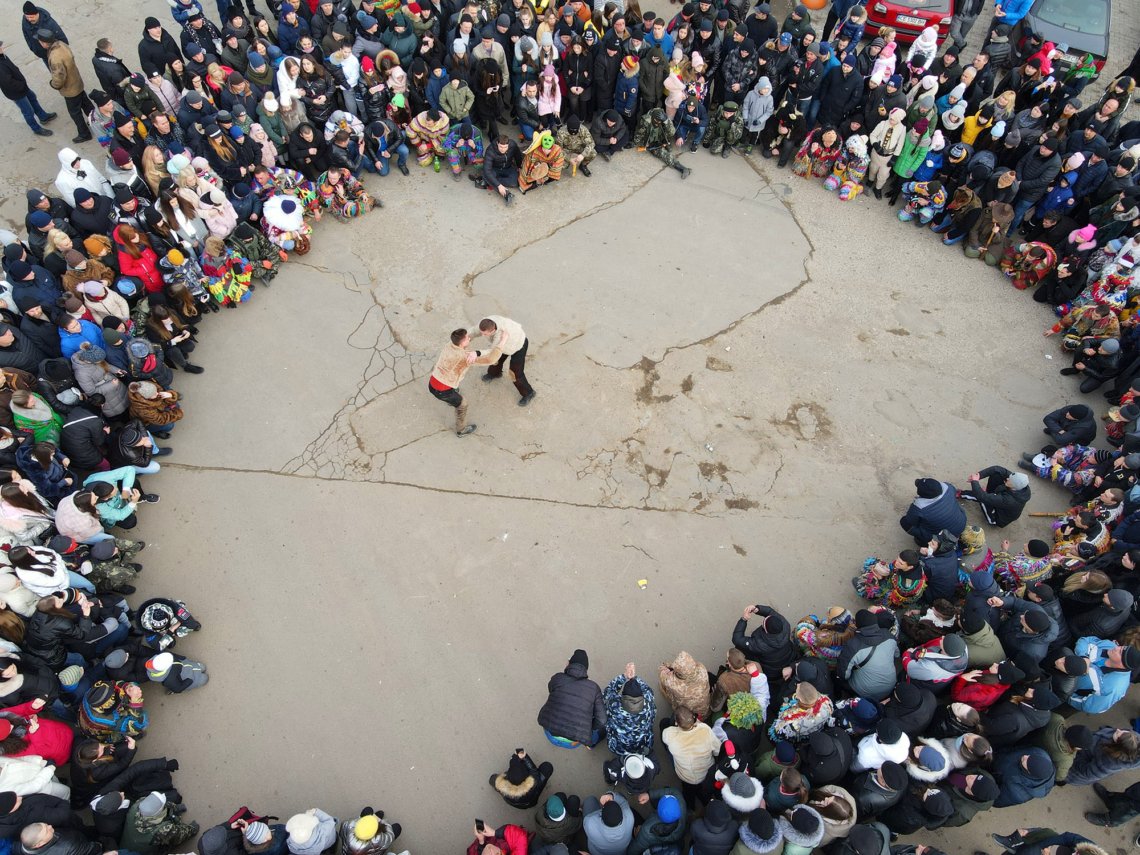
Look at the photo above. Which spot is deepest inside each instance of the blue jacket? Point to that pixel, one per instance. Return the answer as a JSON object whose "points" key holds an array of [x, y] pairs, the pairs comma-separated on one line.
{"points": [[929, 166], [69, 342], [625, 93], [1059, 198], [692, 121], [46, 22], [1016, 785], [666, 44], [943, 513], [435, 86], [1014, 10], [1113, 686], [1090, 179], [289, 34]]}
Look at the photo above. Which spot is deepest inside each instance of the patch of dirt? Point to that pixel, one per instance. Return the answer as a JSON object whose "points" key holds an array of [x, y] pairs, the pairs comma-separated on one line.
{"points": [[714, 364], [645, 394], [740, 550], [899, 331], [741, 504], [687, 384], [807, 419], [708, 469], [656, 477]]}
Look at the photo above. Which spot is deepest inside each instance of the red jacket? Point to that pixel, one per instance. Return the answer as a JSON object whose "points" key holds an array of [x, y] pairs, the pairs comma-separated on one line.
{"points": [[145, 267], [52, 739], [515, 841], [981, 696]]}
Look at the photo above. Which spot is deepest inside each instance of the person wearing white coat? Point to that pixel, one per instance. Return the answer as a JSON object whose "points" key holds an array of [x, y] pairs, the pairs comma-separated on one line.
{"points": [[311, 832], [75, 172], [28, 775], [888, 742], [926, 44]]}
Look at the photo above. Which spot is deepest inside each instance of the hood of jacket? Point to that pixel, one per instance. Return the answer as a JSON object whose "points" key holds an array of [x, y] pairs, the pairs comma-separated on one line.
{"points": [[686, 667], [760, 845], [790, 834], [513, 791], [576, 670], [920, 773], [67, 156]]}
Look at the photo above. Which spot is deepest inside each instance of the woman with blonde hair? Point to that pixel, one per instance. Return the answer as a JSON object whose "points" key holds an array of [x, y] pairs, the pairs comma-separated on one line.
{"points": [[55, 251], [1005, 105], [153, 168]]}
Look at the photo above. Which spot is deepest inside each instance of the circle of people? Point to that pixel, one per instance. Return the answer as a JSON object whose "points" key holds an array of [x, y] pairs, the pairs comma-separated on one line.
{"points": [[234, 137]]}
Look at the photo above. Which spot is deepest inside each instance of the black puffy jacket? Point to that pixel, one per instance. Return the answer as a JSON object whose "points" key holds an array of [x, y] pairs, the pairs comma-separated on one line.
{"points": [[770, 645], [49, 637], [870, 798], [715, 832], [82, 439], [574, 708]]}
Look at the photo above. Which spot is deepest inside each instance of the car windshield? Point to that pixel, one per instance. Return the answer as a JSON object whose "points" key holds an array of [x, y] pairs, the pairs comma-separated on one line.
{"points": [[1082, 16], [925, 5]]}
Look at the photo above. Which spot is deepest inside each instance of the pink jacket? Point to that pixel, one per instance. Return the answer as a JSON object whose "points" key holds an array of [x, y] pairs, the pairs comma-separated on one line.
{"points": [[549, 105]]}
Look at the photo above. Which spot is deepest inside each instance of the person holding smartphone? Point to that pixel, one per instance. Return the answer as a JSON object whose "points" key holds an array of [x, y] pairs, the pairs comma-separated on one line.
{"points": [[522, 784], [502, 841]]}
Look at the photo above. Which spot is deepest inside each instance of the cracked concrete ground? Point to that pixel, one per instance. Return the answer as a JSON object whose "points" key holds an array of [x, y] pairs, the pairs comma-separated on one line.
{"points": [[738, 379]]}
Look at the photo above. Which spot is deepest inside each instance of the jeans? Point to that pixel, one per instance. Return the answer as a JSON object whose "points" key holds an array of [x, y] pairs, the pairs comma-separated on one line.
{"points": [[30, 107], [812, 112], [386, 162], [1020, 208], [98, 537], [683, 134], [80, 582], [106, 643], [527, 131]]}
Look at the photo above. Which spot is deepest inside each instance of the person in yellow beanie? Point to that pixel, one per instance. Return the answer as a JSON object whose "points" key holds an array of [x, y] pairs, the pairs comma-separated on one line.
{"points": [[369, 834]]}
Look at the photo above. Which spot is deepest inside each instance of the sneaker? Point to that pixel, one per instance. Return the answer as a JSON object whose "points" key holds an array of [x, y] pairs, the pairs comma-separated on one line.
{"points": [[82, 138], [527, 398], [127, 590], [466, 430], [1068, 372], [1026, 465], [161, 434], [141, 544], [606, 156], [193, 369], [1027, 457], [161, 452], [48, 117], [1100, 819], [509, 199], [42, 132], [1009, 841], [487, 378], [150, 498]]}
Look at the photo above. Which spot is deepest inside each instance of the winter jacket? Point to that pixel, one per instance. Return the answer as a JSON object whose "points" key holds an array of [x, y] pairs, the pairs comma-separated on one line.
{"points": [[715, 833], [1052, 738], [827, 768], [1099, 689], [770, 645], [1015, 639], [655, 833], [45, 22], [872, 753], [1004, 505], [82, 438], [758, 108], [685, 683], [64, 841], [693, 751], [796, 842], [156, 54], [13, 84], [625, 93], [629, 719], [603, 840], [839, 95], [1080, 430], [748, 843], [1036, 173], [1016, 785], [65, 76], [22, 353], [928, 665], [525, 794], [574, 708], [457, 102], [867, 663], [926, 517], [95, 378], [915, 715], [1008, 723], [870, 798], [966, 806], [983, 648], [49, 482]]}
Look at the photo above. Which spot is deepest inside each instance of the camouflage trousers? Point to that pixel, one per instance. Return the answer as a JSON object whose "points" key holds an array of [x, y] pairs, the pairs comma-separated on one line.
{"points": [[109, 576], [666, 155]]}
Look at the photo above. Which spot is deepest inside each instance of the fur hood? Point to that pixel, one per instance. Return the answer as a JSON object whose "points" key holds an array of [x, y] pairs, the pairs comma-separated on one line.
{"points": [[792, 836], [513, 791], [1088, 848], [761, 846], [919, 773], [741, 804]]}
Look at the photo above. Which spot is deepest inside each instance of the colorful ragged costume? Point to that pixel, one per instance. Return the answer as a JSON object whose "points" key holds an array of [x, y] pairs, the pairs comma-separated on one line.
{"points": [[470, 154], [227, 276], [924, 201], [850, 170], [343, 194], [814, 159], [427, 135], [1028, 263], [542, 161]]}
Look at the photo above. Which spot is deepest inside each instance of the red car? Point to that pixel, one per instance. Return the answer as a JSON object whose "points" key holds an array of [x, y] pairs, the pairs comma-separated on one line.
{"points": [[909, 17]]}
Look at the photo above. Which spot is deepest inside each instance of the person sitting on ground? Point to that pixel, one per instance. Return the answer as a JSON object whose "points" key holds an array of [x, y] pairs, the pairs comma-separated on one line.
{"points": [[522, 784], [574, 712], [1004, 497]]}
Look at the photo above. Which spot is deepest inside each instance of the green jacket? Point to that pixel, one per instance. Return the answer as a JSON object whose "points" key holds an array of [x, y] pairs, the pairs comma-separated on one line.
{"points": [[457, 102], [983, 648], [1052, 738], [911, 156]]}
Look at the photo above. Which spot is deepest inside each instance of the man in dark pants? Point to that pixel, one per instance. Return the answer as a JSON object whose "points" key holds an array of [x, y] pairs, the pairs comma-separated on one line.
{"points": [[1121, 806], [66, 80], [1004, 496], [508, 341], [15, 88], [453, 362]]}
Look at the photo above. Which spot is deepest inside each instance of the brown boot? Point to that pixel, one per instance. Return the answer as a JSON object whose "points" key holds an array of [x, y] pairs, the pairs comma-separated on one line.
{"points": [[461, 426]]}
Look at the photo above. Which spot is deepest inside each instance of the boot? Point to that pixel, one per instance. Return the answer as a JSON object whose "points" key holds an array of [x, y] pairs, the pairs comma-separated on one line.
{"points": [[585, 170], [193, 369], [878, 193], [684, 170]]}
